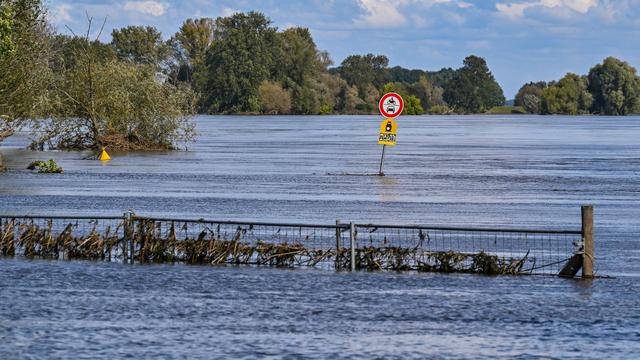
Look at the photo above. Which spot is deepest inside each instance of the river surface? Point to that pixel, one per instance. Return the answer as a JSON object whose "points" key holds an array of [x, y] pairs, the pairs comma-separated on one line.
{"points": [[482, 171]]}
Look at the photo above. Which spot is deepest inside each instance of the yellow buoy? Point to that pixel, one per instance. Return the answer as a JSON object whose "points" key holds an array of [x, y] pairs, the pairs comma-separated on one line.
{"points": [[104, 156]]}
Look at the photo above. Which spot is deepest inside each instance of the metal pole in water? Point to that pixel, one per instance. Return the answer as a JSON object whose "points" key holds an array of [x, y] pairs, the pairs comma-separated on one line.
{"points": [[131, 235], [588, 258], [352, 237], [125, 240], [380, 173], [338, 232]]}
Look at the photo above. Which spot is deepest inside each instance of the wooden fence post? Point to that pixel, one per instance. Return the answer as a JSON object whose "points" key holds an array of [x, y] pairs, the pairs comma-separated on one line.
{"points": [[352, 237], [588, 259]]}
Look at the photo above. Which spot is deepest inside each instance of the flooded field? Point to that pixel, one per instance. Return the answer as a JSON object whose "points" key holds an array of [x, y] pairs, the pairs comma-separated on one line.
{"points": [[485, 171]]}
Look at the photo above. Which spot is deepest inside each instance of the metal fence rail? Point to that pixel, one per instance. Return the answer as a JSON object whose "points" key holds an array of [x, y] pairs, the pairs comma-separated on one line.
{"points": [[341, 246]]}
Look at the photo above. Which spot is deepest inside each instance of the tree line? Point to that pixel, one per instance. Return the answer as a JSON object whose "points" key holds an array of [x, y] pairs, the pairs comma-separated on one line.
{"points": [[139, 91], [610, 88]]}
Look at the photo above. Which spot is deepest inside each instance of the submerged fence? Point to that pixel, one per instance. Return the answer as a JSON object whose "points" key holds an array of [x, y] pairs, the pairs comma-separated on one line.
{"points": [[340, 246]]}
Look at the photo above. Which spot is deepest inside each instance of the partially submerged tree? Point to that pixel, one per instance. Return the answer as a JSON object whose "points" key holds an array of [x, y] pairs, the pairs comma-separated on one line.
{"points": [[119, 104], [24, 71]]}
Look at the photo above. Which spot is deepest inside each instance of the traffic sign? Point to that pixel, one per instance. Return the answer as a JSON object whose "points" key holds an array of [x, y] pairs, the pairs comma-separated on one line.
{"points": [[388, 132], [391, 105]]}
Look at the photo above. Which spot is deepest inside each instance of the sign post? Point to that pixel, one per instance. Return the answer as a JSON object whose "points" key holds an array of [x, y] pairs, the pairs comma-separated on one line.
{"points": [[390, 106]]}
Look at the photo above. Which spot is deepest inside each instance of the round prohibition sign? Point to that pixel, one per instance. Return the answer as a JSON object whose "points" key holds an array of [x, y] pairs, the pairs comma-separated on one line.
{"points": [[391, 105]]}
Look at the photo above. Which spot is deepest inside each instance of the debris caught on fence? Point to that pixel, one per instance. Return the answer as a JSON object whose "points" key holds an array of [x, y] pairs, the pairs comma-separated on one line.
{"points": [[373, 247]]}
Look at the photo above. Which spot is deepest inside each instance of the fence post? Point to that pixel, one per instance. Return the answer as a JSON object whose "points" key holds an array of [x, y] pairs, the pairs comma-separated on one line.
{"points": [[352, 237], [338, 232], [125, 239], [588, 259], [131, 238]]}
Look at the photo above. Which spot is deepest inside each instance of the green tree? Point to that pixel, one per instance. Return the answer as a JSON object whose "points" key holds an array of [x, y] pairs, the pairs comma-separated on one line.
{"points": [[244, 55], [615, 88], [362, 70], [473, 88], [569, 96], [300, 66], [274, 100], [530, 96], [119, 104], [7, 46], [140, 44], [24, 70], [412, 106], [190, 45], [428, 94], [67, 52]]}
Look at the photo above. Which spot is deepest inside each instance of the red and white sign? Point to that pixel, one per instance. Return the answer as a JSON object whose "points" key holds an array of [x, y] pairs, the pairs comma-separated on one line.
{"points": [[391, 105]]}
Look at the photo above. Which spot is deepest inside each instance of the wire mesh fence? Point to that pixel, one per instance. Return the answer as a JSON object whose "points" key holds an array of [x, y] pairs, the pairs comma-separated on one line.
{"points": [[491, 251], [338, 246], [59, 237]]}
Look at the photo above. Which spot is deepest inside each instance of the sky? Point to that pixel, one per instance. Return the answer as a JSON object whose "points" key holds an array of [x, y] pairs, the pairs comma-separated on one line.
{"points": [[522, 40]]}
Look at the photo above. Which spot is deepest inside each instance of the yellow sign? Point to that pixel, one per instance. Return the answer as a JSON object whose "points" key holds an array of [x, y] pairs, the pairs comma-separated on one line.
{"points": [[388, 132]]}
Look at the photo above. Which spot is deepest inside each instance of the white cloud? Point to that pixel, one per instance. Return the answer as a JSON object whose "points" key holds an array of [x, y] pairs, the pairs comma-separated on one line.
{"points": [[229, 11], [61, 13], [516, 10], [381, 13], [581, 6], [388, 13], [148, 7]]}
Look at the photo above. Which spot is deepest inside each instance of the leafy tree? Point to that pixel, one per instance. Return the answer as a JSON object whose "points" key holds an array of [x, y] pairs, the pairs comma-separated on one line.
{"points": [[274, 100], [362, 70], [442, 77], [428, 94], [530, 95], [412, 106], [7, 46], [190, 45], [140, 44], [400, 74], [119, 104], [439, 110], [568, 96], [301, 58], [24, 38], [244, 55], [300, 67], [70, 49], [473, 88], [615, 88]]}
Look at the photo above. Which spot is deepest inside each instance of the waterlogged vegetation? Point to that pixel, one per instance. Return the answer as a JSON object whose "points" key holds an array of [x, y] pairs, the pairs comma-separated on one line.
{"points": [[46, 167]]}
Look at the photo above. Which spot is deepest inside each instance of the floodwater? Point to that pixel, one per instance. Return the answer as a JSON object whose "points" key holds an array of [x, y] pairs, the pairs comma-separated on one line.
{"points": [[486, 171]]}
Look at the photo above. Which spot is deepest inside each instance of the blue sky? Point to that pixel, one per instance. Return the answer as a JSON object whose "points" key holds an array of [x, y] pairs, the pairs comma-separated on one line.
{"points": [[522, 40]]}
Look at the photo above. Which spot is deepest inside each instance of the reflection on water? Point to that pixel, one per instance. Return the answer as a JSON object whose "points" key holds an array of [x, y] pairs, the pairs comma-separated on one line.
{"points": [[524, 171], [388, 189]]}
